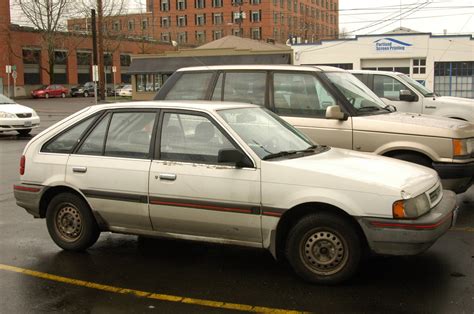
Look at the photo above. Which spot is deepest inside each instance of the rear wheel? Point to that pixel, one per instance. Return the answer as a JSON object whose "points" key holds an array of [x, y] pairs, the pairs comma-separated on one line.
{"points": [[24, 132], [323, 248], [46, 95], [86, 94], [70, 222], [63, 95]]}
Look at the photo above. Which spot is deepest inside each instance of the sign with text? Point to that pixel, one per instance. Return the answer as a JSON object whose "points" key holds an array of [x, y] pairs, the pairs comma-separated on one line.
{"points": [[388, 44], [95, 73]]}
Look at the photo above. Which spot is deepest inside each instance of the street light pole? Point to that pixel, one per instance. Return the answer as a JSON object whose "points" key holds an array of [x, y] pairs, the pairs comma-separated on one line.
{"points": [[100, 38]]}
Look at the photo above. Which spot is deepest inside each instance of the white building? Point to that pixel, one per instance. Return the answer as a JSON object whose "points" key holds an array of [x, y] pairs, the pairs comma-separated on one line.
{"points": [[444, 63]]}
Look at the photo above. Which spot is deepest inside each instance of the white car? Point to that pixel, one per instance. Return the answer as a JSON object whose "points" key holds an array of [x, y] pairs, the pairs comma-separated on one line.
{"points": [[408, 95], [15, 117], [227, 173], [125, 91]]}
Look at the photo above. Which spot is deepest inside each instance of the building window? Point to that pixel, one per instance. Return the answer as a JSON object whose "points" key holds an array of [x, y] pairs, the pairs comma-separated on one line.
{"points": [[165, 21], [454, 78], [182, 38], [255, 16], [419, 66], [77, 27], [182, 20], [199, 4], [31, 72], [131, 25], [217, 3], [165, 36], [125, 61], [164, 5], [216, 18], [144, 24], [116, 26], [236, 32], [181, 5], [217, 34], [84, 61], [255, 32], [60, 67], [200, 37], [255, 1], [200, 19], [288, 4]]}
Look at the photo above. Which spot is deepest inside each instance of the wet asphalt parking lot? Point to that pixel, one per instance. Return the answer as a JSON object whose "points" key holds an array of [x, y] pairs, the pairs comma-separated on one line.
{"points": [[127, 274]]}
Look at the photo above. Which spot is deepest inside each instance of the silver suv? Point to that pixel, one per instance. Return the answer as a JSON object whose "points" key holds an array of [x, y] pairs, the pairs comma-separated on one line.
{"points": [[334, 108]]}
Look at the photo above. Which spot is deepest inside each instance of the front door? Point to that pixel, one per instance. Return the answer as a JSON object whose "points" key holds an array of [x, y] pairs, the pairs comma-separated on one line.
{"points": [[301, 99], [111, 168], [388, 89], [191, 193]]}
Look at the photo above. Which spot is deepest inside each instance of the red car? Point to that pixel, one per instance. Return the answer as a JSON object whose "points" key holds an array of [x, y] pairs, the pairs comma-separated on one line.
{"points": [[47, 91]]}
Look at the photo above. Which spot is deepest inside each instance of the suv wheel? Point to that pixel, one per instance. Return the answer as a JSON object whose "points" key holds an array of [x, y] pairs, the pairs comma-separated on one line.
{"points": [[86, 94], [414, 158], [70, 222], [323, 248]]}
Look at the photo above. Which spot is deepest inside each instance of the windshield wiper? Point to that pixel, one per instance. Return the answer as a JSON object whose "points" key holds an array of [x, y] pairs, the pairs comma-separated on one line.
{"points": [[370, 108], [283, 153]]}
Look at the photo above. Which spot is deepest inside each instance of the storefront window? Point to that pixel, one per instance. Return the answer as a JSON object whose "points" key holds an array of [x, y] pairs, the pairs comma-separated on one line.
{"points": [[150, 82]]}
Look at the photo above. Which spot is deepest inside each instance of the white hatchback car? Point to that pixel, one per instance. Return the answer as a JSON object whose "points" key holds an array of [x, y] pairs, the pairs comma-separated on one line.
{"points": [[15, 117], [227, 173]]}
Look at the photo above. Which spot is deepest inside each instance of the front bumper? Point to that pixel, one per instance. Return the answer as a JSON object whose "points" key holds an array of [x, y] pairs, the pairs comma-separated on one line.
{"points": [[455, 177], [29, 196], [410, 237], [19, 124]]}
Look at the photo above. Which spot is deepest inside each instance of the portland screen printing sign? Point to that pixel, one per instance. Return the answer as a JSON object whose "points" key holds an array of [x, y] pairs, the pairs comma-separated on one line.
{"points": [[390, 45]]}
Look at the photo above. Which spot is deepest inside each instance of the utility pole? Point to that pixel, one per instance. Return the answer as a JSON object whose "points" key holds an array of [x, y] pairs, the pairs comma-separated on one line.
{"points": [[100, 38], [94, 52]]}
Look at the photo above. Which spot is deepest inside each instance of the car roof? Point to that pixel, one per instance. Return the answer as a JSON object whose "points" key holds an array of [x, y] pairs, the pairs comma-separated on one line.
{"points": [[176, 104], [280, 67], [375, 72]]}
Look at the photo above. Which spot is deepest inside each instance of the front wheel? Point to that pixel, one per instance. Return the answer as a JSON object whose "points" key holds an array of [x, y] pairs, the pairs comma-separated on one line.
{"points": [[46, 95], [63, 95], [70, 222], [323, 248]]}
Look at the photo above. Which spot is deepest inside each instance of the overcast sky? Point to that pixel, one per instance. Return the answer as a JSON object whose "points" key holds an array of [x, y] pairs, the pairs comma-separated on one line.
{"points": [[378, 16], [374, 17]]}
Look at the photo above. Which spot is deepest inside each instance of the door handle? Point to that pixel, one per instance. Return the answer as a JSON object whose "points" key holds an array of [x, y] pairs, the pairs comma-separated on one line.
{"points": [[167, 176], [79, 169]]}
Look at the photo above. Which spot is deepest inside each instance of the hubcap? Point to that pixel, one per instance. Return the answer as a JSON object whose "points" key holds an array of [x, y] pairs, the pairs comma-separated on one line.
{"points": [[324, 252], [69, 223]]}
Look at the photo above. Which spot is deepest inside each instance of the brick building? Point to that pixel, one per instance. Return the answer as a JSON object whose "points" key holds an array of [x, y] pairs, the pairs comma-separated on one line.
{"points": [[195, 22], [25, 49]]}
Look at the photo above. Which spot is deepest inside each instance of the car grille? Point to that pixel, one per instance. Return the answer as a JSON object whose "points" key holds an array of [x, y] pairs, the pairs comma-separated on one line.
{"points": [[434, 195], [23, 115]]}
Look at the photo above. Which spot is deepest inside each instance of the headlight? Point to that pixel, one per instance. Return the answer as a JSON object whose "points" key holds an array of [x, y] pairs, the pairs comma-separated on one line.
{"points": [[411, 208], [463, 147], [7, 115]]}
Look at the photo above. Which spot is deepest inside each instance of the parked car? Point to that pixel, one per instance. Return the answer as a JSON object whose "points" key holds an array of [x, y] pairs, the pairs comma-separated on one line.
{"points": [[86, 90], [333, 107], [256, 181], [408, 95], [125, 91], [47, 91], [15, 117]]}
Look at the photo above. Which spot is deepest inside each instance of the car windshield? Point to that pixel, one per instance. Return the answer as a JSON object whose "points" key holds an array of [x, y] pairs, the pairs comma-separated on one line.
{"points": [[267, 134], [4, 100], [363, 100], [416, 85]]}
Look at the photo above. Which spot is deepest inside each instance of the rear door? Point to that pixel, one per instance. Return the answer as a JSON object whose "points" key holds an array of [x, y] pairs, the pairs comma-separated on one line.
{"points": [[191, 193], [111, 167]]}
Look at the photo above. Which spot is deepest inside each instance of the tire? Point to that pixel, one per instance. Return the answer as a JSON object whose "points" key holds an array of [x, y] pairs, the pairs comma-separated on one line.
{"points": [[414, 158], [46, 96], [63, 95], [86, 94], [323, 248], [70, 222], [24, 132]]}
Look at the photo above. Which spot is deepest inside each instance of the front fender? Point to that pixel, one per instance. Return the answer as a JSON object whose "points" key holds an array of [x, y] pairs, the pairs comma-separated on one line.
{"points": [[408, 146]]}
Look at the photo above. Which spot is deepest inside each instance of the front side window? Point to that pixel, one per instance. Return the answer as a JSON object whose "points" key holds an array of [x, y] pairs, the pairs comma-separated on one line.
{"points": [[191, 138], [248, 87], [301, 95], [65, 142], [190, 86], [388, 87]]}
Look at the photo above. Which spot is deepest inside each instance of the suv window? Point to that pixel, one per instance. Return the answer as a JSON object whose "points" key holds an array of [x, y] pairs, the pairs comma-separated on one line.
{"points": [[248, 87], [191, 138], [388, 87], [300, 95], [190, 86], [65, 142]]}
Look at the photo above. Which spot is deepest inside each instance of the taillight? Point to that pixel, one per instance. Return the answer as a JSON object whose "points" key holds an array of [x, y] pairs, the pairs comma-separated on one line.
{"points": [[22, 165]]}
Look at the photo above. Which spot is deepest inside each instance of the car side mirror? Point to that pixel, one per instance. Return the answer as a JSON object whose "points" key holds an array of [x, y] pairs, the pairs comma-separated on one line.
{"points": [[234, 156], [406, 95], [335, 113]]}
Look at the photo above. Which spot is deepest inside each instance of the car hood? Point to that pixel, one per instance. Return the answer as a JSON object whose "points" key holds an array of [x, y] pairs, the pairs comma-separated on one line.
{"points": [[15, 108], [349, 170], [414, 124]]}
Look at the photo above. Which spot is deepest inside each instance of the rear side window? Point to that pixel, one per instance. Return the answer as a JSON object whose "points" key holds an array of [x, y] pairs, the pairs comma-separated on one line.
{"points": [[190, 86], [248, 87], [65, 142]]}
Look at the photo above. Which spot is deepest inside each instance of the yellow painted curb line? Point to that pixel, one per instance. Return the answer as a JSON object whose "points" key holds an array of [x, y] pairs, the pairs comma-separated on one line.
{"points": [[464, 229], [148, 295]]}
